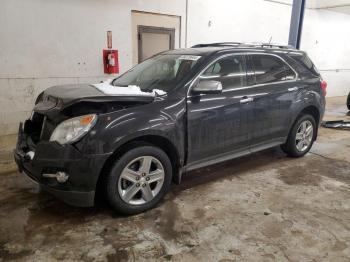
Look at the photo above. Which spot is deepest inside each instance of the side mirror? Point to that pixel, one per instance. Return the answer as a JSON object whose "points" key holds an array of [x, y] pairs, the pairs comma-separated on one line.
{"points": [[208, 87]]}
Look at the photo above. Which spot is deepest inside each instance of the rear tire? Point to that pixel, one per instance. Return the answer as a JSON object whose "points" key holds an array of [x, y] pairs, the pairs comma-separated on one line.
{"points": [[348, 101], [301, 137], [139, 180]]}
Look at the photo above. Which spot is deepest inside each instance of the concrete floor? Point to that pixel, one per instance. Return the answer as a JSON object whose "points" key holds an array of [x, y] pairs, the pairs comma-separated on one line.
{"points": [[263, 207]]}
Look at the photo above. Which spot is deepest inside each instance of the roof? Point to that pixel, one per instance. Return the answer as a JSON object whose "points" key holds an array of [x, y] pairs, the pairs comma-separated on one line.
{"points": [[194, 51], [240, 45], [207, 49]]}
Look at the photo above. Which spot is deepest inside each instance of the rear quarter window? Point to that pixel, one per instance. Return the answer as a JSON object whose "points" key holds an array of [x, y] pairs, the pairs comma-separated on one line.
{"points": [[303, 64]]}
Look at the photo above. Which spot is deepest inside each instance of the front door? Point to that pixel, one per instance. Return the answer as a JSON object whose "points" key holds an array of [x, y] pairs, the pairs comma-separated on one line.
{"points": [[220, 124]]}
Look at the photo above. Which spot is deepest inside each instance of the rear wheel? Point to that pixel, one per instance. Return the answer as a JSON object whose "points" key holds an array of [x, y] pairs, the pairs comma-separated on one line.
{"points": [[301, 137], [348, 102], [139, 180]]}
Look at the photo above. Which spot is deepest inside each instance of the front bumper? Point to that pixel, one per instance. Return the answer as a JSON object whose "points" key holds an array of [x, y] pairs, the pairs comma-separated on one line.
{"points": [[51, 157]]}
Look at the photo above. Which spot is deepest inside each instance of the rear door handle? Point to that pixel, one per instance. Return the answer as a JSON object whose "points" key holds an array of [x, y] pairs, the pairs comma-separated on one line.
{"points": [[291, 89], [246, 100]]}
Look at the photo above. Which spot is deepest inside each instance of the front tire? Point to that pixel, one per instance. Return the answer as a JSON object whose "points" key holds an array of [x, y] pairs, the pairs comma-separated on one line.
{"points": [[139, 180], [348, 102], [301, 136]]}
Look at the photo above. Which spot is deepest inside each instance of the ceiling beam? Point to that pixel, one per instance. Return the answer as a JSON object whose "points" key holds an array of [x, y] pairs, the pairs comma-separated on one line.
{"points": [[296, 23]]}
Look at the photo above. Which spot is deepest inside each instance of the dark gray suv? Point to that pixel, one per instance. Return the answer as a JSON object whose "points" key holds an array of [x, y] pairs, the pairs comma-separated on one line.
{"points": [[175, 112]]}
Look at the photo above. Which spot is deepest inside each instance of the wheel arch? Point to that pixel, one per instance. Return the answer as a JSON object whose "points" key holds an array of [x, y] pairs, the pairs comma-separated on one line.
{"points": [[311, 110], [153, 140]]}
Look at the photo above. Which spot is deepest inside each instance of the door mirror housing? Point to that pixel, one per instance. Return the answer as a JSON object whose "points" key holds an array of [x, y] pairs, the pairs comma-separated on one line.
{"points": [[208, 87]]}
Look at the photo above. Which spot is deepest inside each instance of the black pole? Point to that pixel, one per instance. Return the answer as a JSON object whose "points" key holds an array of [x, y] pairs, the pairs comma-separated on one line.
{"points": [[296, 23]]}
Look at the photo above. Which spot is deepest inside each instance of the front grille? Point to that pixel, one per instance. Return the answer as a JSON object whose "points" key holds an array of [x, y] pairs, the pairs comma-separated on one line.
{"points": [[47, 129], [38, 128], [32, 127]]}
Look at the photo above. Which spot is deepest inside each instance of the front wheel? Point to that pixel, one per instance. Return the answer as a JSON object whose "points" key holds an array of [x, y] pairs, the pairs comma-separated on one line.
{"points": [[301, 136], [139, 180]]}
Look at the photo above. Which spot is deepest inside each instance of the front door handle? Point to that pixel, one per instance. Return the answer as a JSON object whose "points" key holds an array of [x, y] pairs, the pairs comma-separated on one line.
{"points": [[291, 89], [246, 100]]}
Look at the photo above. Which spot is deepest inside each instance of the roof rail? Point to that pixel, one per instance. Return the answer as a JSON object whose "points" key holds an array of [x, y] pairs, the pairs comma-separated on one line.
{"points": [[276, 45], [218, 44], [244, 45]]}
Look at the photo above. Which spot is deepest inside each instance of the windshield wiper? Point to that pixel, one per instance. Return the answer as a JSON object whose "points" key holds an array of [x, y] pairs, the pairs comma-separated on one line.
{"points": [[116, 85]]}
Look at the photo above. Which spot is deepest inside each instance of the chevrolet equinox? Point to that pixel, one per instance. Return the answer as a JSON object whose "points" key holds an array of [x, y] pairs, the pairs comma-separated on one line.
{"points": [[177, 111]]}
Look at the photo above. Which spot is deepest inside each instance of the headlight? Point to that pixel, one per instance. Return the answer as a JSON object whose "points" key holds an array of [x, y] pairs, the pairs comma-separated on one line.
{"points": [[73, 129]]}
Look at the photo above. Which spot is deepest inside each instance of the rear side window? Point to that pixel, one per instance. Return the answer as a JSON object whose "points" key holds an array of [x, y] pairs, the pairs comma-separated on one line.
{"points": [[269, 69], [303, 64], [230, 71]]}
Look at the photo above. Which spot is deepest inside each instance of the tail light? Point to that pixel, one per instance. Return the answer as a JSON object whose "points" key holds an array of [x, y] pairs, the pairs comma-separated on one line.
{"points": [[324, 87]]}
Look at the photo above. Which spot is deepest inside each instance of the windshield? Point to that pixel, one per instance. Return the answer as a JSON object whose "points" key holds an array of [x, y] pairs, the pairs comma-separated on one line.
{"points": [[161, 72]]}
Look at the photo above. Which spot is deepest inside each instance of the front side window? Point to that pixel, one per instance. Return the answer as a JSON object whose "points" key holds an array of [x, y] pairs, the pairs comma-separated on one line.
{"points": [[269, 69], [230, 71], [161, 72]]}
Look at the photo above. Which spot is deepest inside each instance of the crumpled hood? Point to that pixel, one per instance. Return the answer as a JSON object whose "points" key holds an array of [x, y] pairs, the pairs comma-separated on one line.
{"points": [[69, 93], [72, 92], [61, 98]]}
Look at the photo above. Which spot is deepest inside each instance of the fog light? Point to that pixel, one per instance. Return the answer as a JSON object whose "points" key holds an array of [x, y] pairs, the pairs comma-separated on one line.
{"points": [[61, 177]]}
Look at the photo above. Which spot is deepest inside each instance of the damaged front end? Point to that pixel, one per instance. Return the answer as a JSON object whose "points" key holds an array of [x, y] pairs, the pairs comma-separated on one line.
{"points": [[54, 158], [62, 170]]}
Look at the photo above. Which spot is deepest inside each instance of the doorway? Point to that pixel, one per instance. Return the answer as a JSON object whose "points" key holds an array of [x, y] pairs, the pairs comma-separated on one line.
{"points": [[153, 33], [153, 40]]}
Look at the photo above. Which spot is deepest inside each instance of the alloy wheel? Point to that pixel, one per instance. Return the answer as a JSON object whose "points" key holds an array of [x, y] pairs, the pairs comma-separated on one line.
{"points": [[141, 180], [304, 135]]}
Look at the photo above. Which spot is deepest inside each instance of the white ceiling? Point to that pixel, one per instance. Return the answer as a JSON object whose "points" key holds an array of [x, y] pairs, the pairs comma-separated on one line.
{"points": [[327, 3], [342, 6], [341, 9]]}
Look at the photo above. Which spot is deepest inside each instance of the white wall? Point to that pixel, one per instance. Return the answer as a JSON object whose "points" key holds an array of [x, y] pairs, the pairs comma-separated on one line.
{"points": [[326, 38], [41, 38], [237, 21], [45, 43]]}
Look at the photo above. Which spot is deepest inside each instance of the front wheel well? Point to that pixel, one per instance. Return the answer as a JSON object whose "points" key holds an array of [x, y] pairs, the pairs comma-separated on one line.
{"points": [[150, 140]]}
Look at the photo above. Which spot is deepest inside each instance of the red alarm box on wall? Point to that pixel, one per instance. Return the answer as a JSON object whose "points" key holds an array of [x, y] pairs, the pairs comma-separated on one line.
{"points": [[111, 61]]}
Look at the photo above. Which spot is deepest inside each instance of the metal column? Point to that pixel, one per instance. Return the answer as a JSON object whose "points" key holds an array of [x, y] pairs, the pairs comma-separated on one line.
{"points": [[296, 23]]}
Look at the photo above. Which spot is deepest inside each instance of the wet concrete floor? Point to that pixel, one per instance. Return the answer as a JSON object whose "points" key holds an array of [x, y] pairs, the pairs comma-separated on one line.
{"points": [[263, 207]]}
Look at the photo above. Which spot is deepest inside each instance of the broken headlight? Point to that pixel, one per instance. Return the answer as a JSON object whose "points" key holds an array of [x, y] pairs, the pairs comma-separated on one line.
{"points": [[73, 129]]}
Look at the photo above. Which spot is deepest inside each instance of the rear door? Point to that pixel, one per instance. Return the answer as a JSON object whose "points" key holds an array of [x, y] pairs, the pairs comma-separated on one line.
{"points": [[220, 124], [276, 90]]}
